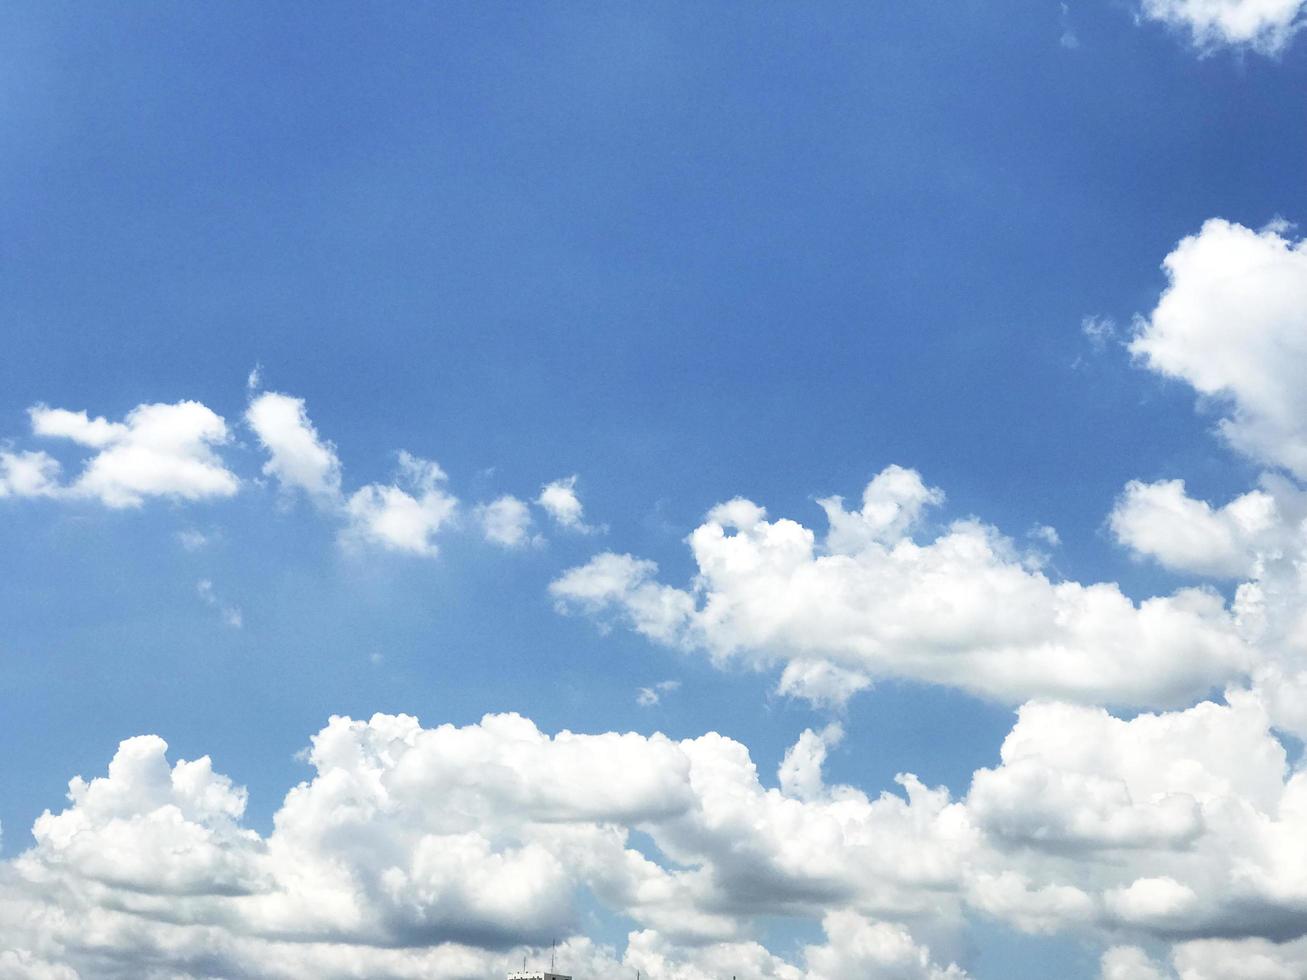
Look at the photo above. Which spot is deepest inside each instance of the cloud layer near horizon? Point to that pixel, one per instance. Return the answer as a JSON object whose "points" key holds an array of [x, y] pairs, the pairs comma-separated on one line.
{"points": [[445, 852]]}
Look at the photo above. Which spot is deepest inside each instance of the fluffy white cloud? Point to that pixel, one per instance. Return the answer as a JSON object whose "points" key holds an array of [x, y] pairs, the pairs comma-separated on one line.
{"points": [[506, 521], [1260, 537], [892, 504], [872, 950], [1185, 825], [433, 850], [1129, 963], [404, 515], [1263, 25], [1161, 521], [1211, 959], [28, 474], [561, 503], [442, 852], [966, 609], [1249, 959], [299, 459], [156, 451], [60, 423], [800, 774], [1233, 324]]}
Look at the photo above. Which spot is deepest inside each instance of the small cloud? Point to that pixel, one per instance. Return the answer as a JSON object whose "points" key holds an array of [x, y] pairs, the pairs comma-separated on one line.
{"points": [[298, 457], [560, 502], [193, 540], [375, 658], [1068, 40], [254, 381], [231, 615], [647, 697], [507, 522], [403, 516], [1044, 533], [1099, 331]]}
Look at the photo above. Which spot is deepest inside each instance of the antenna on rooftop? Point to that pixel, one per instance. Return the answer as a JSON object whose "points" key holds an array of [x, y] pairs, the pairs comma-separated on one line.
{"points": [[551, 956]]}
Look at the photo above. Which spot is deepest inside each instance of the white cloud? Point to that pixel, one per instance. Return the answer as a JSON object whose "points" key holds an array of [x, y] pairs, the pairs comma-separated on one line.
{"points": [[193, 539], [438, 852], [1161, 521], [1233, 324], [1099, 331], [561, 503], [647, 697], [435, 852], [506, 521], [1182, 825], [1129, 963], [658, 611], [966, 609], [231, 615], [299, 459], [872, 950], [1045, 535], [800, 773], [892, 504], [1249, 959], [60, 423], [1262, 25], [404, 515], [1260, 537], [157, 450], [28, 474]]}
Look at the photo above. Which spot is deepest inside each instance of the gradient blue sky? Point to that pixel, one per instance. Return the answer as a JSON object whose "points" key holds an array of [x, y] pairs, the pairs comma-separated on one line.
{"points": [[684, 251]]}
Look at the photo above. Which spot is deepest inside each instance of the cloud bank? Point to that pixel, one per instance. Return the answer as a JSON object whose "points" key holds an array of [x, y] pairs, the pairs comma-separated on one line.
{"points": [[448, 851]]}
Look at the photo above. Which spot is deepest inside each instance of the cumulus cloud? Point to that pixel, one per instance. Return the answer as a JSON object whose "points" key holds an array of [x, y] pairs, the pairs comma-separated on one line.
{"points": [[1232, 323], [560, 501], [162, 450], [800, 773], [1236, 540], [298, 458], [404, 515], [444, 852], [446, 849], [868, 601], [157, 450], [1182, 825], [28, 474], [1129, 963], [1262, 25], [506, 521], [1260, 538], [873, 950]]}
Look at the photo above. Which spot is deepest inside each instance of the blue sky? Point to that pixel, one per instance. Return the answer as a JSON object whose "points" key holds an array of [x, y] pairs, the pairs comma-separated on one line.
{"points": [[684, 253]]}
